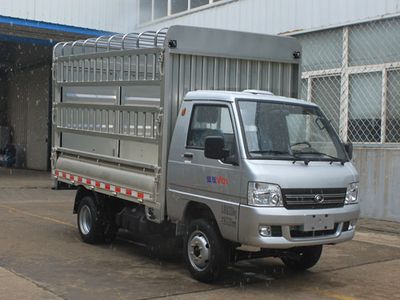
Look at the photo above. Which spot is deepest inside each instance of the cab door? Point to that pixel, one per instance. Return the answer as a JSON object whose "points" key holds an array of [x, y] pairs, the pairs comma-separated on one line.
{"points": [[193, 177]]}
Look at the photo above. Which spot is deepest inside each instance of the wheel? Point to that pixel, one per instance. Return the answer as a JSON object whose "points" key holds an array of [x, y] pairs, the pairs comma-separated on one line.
{"points": [[302, 258], [204, 251], [92, 224]]}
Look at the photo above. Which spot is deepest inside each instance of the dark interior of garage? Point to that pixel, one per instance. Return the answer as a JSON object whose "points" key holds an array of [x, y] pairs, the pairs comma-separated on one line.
{"points": [[25, 69], [25, 88]]}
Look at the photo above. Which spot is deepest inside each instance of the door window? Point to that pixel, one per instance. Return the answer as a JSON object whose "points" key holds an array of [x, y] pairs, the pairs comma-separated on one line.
{"points": [[212, 120]]}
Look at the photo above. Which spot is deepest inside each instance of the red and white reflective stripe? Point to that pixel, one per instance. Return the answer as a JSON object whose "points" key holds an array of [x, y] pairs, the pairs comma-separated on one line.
{"points": [[101, 185]]}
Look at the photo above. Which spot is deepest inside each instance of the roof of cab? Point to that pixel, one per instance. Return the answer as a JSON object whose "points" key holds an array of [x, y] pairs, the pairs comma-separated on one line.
{"points": [[229, 96]]}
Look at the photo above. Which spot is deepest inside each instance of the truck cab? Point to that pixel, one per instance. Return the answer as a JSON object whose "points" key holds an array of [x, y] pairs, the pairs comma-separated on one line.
{"points": [[269, 173]]}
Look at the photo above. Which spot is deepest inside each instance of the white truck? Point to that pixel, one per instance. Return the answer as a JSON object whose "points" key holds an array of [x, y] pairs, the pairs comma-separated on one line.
{"points": [[180, 132]]}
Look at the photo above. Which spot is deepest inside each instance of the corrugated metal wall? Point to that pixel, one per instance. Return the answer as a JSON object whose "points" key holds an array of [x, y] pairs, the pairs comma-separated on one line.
{"points": [[196, 72], [264, 16], [379, 185], [277, 16], [109, 15]]}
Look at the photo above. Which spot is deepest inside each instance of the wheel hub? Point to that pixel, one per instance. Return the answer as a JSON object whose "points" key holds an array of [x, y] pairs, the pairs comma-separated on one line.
{"points": [[199, 250], [85, 220]]}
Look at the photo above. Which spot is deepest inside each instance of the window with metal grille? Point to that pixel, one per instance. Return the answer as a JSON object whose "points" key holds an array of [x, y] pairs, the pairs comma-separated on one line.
{"points": [[353, 73]]}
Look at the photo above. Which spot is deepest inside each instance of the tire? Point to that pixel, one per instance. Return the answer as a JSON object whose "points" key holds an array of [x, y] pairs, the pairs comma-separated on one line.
{"points": [[302, 258], [204, 251], [92, 224]]}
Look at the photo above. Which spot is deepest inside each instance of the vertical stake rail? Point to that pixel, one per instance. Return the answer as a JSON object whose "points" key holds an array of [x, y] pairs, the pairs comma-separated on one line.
{"points": [[154, 131], [145, 68], [136, 122], [88, 119], [144, 124], [65, 69], [73, 71], [94, 69], [129, 67], [107, 117], [108, 69], [94, 120], [101, 120], [89, 69], [122, 69], [129, 122], [101, 69], [83, 71], [153, 75], [137, 67], [115, 68]]}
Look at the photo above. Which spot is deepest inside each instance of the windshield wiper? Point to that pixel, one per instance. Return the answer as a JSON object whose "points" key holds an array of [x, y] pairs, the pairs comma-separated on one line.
{"points": [[333, 158], [269, 152]]}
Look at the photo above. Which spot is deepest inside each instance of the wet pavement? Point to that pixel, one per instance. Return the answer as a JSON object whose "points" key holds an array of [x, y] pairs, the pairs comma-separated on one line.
{"points": [[42, 257]]}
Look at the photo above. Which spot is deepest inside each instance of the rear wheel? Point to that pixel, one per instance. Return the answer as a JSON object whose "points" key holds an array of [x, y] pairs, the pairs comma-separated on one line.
{"points": [[302, 258], [204, 251], [93, 225]]}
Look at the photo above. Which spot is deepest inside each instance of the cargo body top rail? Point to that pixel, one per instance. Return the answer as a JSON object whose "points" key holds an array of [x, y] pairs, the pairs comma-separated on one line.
{"points": [[128, 41]]}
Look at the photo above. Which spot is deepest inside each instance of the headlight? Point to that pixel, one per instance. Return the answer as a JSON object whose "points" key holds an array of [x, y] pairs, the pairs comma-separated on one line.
{"points": [[264, 194], [352, 193]]}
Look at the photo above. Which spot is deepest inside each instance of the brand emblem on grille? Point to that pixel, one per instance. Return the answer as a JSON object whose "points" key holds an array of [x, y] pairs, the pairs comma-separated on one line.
{"points": [[318, 199]]}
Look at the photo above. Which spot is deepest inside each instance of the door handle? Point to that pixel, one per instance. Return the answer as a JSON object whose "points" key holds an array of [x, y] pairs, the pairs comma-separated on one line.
{"points": [[188, 155]]}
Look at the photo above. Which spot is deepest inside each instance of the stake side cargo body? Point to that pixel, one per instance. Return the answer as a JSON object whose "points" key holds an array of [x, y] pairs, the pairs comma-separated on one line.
{"points": [[140, 128], [116, 100]]}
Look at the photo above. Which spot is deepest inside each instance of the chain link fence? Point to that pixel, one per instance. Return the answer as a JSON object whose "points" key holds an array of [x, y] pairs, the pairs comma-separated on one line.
{"points": [[353, 73]]}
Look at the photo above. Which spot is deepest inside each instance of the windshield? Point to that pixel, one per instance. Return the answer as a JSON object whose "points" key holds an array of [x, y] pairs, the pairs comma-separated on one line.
{"points": [[275, 130]]}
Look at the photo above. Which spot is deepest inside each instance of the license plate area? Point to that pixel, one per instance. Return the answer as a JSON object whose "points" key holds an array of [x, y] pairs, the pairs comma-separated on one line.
{"points": [[318, 222]]}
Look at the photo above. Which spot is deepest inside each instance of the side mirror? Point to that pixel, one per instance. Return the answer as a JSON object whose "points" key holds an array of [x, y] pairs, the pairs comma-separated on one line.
{"points": [[214, 147], [349, 149]]}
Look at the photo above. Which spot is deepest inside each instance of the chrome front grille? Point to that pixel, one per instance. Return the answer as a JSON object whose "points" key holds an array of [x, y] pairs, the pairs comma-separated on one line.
{"points": [[313, 198]]}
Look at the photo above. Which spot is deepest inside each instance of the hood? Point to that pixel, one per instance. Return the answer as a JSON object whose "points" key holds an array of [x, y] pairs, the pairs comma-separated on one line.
{"points": [[287, 174]]}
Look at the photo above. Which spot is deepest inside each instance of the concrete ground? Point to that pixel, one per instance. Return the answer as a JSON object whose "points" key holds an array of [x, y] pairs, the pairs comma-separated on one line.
{"points": [[42, 257]]}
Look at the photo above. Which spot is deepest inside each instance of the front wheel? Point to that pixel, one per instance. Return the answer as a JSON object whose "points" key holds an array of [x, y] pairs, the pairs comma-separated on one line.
{"points": [[204, 251], [302, 258]]}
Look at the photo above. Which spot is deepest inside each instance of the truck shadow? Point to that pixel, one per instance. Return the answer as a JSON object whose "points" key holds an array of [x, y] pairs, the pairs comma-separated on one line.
{"points": [[245, 272]]}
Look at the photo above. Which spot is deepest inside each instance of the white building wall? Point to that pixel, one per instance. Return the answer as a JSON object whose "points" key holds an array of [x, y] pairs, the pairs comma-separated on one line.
{"points": [[277, 16], [264, 16], [108, 15]]}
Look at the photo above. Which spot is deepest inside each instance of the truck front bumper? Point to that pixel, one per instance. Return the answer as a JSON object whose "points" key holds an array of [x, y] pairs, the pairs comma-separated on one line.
{"points": [[291, 228]]}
